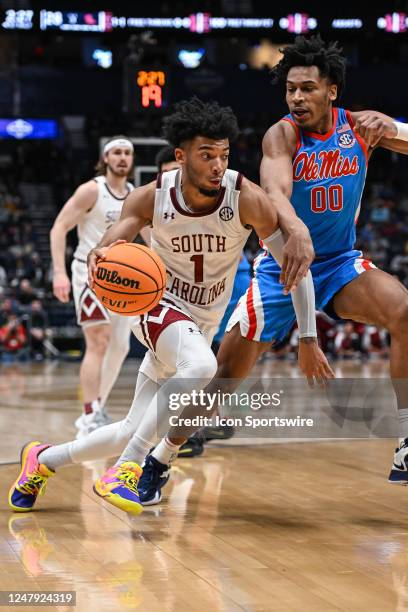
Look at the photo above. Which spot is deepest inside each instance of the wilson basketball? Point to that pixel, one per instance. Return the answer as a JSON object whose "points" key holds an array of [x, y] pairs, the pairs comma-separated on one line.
{"points": [[130, 280]]}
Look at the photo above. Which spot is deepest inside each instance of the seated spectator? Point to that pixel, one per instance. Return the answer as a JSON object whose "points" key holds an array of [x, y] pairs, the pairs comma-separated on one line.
{"points": [[7, 307], [347, 343], [26, 293], [375, 340], [38, 323], [13, 338]]}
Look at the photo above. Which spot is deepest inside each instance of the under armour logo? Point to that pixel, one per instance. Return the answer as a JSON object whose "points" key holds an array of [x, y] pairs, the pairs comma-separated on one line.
{"points": [[169, 215]]}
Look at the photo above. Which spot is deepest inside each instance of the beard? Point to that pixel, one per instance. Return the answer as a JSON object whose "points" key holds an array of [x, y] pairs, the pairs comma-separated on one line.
{"points": [[209, 193], [122, 171]]}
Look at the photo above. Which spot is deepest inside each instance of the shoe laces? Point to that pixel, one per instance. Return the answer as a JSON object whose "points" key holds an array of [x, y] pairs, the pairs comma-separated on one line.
{"points": [[34, 486], [129, 479]]}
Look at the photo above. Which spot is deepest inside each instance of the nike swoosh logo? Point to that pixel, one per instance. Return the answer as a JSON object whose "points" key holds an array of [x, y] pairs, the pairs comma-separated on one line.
{"points": [[401, 466]]}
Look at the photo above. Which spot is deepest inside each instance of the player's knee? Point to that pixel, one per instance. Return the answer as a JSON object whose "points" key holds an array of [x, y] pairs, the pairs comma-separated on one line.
{"points": [[119, 341], [120, 348], [99, 344], [203, 370]]}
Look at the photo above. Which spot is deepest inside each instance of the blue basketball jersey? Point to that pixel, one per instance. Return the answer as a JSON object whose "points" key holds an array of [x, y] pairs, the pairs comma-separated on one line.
{"points": [[329, 172]]}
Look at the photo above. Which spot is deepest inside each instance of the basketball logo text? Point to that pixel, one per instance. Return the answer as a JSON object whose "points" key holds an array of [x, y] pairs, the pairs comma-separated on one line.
{"points": [[121, 304], [111, 276]]}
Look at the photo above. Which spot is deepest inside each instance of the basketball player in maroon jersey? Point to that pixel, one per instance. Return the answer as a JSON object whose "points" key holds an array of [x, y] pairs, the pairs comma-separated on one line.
{"points": [[201, 216]]}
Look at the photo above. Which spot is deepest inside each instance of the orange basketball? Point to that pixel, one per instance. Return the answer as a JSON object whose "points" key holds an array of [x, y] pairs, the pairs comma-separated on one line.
{"points": [[130, 280]]}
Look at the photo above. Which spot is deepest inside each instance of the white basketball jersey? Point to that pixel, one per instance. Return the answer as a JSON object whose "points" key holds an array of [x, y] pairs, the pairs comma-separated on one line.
{"points": [[94, 223], [201, 251]]}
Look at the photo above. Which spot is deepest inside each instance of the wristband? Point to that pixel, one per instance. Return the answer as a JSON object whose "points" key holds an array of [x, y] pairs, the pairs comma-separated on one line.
{"points": [[402, 130]]}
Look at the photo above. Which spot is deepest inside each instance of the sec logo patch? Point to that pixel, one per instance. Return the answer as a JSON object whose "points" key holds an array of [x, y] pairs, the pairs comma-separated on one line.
{"points": [[226, 213], [346, 141]]}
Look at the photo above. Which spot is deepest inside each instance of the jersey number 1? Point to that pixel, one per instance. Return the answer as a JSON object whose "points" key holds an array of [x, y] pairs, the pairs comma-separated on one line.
{"points": [[198, 261], [323, 198]]}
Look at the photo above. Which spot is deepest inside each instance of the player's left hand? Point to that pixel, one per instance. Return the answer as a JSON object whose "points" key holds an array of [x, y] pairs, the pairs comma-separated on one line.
{"points": [[372, 126], [313, 362]]}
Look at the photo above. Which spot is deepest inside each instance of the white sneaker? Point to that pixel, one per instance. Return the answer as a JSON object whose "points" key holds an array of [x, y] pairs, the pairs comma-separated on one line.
{"points": [[399, 469], [87, 423]]}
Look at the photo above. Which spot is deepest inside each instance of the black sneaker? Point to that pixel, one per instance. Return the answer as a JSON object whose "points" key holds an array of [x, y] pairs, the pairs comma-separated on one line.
{"points": [[192, 448], [155, 476], [223, 432]]}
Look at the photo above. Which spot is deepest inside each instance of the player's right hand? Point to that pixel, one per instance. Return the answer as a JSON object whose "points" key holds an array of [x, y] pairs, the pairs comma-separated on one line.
{"points": [[94, 256], [61, 287]]}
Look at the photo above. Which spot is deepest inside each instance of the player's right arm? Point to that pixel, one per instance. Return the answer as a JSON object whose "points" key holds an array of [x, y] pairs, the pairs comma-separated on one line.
{"points": [[137, 213], [279, 146], [69, 216]]}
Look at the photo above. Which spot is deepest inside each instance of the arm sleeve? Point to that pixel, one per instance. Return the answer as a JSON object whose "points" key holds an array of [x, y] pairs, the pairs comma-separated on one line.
{"points": [[303, 297]]}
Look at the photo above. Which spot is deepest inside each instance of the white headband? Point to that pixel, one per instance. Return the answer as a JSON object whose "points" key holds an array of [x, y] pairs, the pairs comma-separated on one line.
{"points": [[118, 142]]}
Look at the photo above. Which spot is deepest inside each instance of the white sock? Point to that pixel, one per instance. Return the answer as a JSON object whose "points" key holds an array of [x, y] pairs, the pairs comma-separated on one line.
{"points": [[91, 407], [403, 424], [136, 450], [56, 456], [165, 451]]}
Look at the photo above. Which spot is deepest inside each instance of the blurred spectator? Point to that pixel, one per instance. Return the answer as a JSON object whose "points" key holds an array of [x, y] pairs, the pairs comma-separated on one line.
{"points": [[13, 339], [38, 323], [347, 341], [26, 293], [7, 307], [326, 332], [375, 341], [3, 277]]}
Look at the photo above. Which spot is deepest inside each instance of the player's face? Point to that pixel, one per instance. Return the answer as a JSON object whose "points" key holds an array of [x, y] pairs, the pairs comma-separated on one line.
{"points": [[309, 96], [119, 160], [205, 161]]}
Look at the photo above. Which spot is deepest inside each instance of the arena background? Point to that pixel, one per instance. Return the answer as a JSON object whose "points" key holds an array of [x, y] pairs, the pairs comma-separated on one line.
{"points": [[68, 78], [251, 524]]}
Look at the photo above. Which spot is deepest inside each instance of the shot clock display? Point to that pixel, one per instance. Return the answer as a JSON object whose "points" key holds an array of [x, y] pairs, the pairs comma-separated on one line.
{"points": [[145, 89], [151, 84]]}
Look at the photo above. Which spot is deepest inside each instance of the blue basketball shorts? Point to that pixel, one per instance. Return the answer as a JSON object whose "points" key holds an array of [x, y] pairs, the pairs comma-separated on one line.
{"points": [[264, 313]]}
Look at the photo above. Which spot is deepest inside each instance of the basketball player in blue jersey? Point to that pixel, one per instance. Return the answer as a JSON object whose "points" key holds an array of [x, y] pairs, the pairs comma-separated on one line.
{"points": [[313, 169]]}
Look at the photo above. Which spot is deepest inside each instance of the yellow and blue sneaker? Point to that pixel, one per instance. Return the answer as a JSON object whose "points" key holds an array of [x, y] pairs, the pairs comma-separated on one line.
{"points": [[31, 480], [118, 486]]}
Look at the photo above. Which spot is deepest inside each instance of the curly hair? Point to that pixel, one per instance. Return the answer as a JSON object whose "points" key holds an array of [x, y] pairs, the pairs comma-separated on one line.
{"points": [[313, 51], [197, 118]]}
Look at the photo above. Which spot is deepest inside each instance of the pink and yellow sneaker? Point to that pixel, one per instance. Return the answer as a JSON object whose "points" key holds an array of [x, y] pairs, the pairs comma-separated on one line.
{"points": [[31, 480], [118, 486]]}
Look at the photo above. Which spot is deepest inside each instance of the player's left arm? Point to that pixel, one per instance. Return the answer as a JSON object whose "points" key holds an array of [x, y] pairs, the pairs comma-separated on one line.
{"points": [[380, 130], [257, 210]]}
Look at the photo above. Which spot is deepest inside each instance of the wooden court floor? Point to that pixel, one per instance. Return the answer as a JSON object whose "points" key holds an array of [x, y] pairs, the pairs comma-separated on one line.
{"points": [[279, 527]]}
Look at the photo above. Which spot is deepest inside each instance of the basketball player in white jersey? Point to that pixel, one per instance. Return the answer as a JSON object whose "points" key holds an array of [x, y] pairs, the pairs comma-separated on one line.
{"points": [[92, 209], [201, 216]]}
